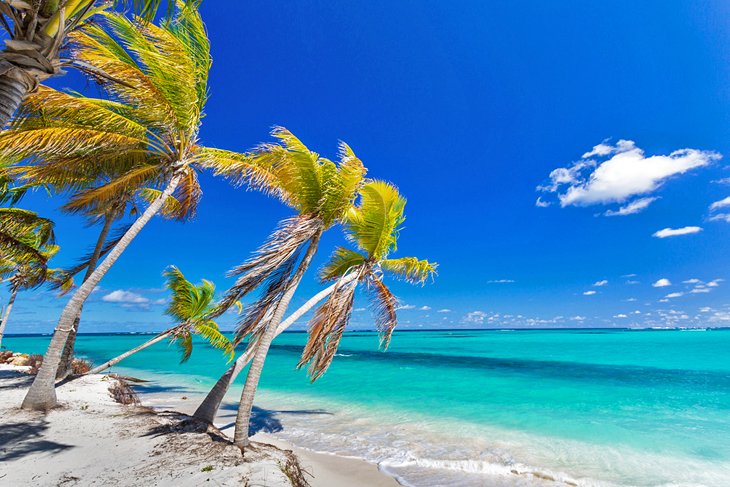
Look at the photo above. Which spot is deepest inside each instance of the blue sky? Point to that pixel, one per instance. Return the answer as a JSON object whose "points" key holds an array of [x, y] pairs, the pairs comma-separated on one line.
{"points": [[475, 110]]}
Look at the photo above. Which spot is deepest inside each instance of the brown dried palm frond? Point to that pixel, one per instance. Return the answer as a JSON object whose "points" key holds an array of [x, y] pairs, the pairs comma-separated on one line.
{"points": [[326, 328], [278, 249], [258, 314], [384, 305]]}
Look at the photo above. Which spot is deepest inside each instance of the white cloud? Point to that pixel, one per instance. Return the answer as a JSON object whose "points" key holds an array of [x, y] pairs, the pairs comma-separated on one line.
{"points": [[475, 317], [122, 296], [663, 282], [631, 300], [406, 306], [722, 181], [540, 203], [715, 282], [589, 293], [627, 173], [634, 207], [700, 290], [723, 217], [673, 232], [160, 301], [600, 283], [425, 308], [620, 316], [720, 204], [444, 310], [578, 318], [674, 295], [692, 281], [500, 281]]}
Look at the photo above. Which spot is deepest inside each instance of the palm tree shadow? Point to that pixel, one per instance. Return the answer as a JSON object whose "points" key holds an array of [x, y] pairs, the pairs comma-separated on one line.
{"points": [[268, 420], [20, 439]]}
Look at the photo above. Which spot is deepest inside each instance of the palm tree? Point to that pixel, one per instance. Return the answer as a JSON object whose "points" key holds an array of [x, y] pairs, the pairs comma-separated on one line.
{"points": [[36, 33], [125, 200], [373, 227], [190, 307], [147, 131], [386, 220], [321, 192], [28, 273]]}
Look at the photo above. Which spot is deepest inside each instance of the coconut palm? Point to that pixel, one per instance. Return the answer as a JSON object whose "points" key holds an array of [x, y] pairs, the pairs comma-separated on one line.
{"points": [[126, 201], [321, 192], [147, 131], [190, 307], [36, 31], [27, 273], [373, 227], [386, 220]]}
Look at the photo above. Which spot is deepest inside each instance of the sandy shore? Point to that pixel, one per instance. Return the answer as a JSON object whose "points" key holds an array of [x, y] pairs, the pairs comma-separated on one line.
{"points": [[93, 440]]}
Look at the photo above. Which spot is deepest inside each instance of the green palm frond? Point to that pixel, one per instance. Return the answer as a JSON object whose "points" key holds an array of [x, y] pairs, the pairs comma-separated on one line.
{"points": [[184, 340], [410, 269], [341, 262], [374, 225], [209, 331]]}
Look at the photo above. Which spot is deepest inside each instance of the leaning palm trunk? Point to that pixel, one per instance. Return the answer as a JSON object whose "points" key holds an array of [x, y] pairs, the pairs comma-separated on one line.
{"points": [[212, 402], [240, 437], [42, 393], [6, 315], [64, 368], [128, 353]]}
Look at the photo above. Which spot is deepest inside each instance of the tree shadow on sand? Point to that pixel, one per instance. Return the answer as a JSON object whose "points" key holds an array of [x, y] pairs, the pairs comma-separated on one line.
{"points": [[20, 439], [269, 420]]}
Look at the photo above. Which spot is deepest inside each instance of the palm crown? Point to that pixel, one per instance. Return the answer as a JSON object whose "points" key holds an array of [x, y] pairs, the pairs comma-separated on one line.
{"points": [[373, 226], [190, 307], [320, 190]]}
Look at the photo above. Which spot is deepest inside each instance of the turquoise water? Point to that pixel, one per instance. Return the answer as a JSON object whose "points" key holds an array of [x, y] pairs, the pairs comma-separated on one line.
{"points": [[589, 407]]}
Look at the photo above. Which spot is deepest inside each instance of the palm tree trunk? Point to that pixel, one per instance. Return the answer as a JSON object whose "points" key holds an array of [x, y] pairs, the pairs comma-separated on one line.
{"points": [[42, 392], [126, 354], [240, 437], [4, 322], [64, 369], [12, 94], [212, 402]]}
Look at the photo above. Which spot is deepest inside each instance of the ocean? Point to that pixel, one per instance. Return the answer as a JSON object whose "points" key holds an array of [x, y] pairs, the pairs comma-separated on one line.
{"points": [[590, 407]]}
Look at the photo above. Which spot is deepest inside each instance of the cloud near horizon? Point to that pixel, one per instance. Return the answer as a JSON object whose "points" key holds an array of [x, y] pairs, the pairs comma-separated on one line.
{"points": [[126, 297], [624, 173]]}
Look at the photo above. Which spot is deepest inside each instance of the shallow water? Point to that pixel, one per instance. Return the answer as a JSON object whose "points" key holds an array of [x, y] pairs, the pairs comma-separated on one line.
{"points": [[589, 407]]}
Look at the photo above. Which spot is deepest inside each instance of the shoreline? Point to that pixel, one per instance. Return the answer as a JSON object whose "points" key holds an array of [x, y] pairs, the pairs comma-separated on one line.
{"points": [[91, 439], [328, 469]]}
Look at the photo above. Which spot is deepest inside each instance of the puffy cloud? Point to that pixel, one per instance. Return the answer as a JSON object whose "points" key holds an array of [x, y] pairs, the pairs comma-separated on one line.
{"points": [[634, 207], [477, 317], [589, 293], [127, 297], [625, 173], [673, 232], [600, 283], [663, 282], [715, 282]]}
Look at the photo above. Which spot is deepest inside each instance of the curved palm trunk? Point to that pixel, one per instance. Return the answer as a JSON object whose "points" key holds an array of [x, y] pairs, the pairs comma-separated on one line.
{"points": [[240, 437], [42, 393], [4, 322], [212, 402], [12, 94], [64, 368], [126, 354]]}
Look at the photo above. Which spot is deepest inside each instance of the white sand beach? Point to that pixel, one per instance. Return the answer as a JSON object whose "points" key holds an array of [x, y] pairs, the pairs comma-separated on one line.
{"points": [[92, 440]]}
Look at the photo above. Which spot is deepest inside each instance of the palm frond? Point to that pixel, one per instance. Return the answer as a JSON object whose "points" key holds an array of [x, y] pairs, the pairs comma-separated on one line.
{"points": [[384, 305], [208, 329], [341, 262], [374, 224], [410, 269]]}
